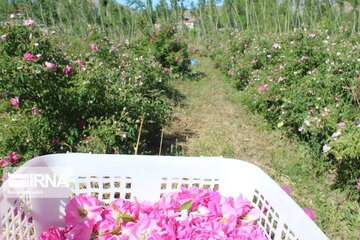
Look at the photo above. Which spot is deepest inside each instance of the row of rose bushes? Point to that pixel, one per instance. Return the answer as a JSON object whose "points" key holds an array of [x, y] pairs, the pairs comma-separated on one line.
{"points": [[87, 97], [305, 83]]}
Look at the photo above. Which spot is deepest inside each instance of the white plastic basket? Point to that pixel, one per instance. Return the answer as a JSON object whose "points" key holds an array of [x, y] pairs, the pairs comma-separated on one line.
{"points": [[147, 178]]}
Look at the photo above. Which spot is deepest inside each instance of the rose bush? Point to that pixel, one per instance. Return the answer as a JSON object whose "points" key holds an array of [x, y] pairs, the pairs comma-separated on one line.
{"points": [[305, 84], [88, 96]]}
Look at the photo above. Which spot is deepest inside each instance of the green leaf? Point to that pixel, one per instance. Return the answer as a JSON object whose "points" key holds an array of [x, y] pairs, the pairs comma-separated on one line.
{"points": [[186, 206], [116, 230], [125, 217]]}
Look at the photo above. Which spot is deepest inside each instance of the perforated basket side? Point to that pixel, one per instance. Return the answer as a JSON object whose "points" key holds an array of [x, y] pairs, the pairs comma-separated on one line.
{"points": [[16, 218], [148, 177]]}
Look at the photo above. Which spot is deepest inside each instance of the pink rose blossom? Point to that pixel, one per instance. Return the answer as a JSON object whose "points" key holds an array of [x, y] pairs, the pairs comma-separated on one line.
{"points": [[81, 209], [276, 46], [165, 70], [53, 233], [269, 78], [51, 66], [93, 47], [68, 70], [28, 56], [15, 101], [4, 162], [29, 22], [108, 222], [309, 212], [358, 184], [336, 134], [246, 45], [3, 37], [79, 62], [35, 111], [263, 87], [177, 59], [14, 158], [312, 35], [326, 148], [340, 124], [81, 230], [280, 79], [253, 62]]}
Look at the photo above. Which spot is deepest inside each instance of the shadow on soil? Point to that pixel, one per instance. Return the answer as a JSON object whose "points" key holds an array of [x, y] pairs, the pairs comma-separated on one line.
{"points": [[174, 142]]}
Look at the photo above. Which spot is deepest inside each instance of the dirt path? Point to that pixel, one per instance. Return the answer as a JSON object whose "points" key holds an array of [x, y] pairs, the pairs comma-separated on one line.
{"points": [[212, 123]]}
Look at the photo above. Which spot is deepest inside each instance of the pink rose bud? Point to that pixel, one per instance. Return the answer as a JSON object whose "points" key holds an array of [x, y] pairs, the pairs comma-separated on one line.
{"points": [[269, 78], [309, 212], [14, 158], [79, 62], [340, 124], [263, 87], [35, 111], [177, 59], [28, 56], [312, 35], [68, 70], [29, 22], [276, 46], [50, 66], [93, 47], [54, 142], [15, 101], [253, 62], [165, 70], [4, 162]]}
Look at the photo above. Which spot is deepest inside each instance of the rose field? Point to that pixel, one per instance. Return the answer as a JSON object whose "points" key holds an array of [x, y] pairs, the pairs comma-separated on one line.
{"points": [[273, 83]]}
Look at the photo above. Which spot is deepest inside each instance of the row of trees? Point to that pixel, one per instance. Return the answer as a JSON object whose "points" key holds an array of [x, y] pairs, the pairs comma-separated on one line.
{"points": [[257, 15], [279, 15], [72, 15]]}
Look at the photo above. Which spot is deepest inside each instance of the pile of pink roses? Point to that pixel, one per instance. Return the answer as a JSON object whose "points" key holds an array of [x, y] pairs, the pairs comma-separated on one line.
{"points": [[194, 213]]}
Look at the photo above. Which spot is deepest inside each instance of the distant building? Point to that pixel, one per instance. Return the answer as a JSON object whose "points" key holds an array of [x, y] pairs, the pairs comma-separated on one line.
{"points": [[188, 20]]}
